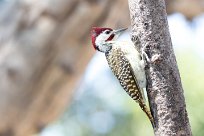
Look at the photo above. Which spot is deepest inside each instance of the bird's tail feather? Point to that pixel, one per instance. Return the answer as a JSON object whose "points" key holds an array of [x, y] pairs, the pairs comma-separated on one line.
{"points": [[147, 112]]}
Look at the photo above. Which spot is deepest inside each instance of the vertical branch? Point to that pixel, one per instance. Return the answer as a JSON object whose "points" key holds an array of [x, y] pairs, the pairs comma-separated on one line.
{"points": [[165, 92]]}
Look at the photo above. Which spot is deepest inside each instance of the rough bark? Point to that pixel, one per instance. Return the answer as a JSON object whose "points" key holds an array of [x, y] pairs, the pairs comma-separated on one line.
{"points": [[44, 49], [165, 92]]}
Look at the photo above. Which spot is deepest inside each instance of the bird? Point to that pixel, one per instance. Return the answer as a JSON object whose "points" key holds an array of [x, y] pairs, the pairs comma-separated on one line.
{"points": [[126, 63]]}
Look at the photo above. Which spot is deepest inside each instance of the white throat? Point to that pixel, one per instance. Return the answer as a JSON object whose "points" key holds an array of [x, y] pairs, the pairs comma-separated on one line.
{"points": [[100, 39], [101, 43]]}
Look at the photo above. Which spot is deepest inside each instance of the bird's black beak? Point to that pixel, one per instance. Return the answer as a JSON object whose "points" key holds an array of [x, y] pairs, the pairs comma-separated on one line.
{"points": [[119, 31]]}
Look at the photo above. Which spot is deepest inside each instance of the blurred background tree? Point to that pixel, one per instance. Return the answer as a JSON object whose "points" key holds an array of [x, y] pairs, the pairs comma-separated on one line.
{"points": [[44, 51]]}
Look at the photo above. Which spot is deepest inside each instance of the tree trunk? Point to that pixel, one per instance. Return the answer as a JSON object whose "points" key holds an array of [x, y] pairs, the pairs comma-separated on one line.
{"points": [[44, 49], [165, 92]]}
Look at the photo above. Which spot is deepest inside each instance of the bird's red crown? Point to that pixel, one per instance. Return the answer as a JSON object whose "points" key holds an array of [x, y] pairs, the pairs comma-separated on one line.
{"points": [[97, 31]]}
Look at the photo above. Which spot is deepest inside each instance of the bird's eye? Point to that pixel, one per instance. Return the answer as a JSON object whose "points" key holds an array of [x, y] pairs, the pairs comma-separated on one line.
{"points": [[107, 32]]}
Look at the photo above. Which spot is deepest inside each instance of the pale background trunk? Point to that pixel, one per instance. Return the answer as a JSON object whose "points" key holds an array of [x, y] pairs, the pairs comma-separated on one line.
{"points": [[45, 47]]}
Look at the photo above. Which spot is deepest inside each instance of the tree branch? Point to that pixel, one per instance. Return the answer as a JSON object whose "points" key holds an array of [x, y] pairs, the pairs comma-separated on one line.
{"points": [[165, 92]]}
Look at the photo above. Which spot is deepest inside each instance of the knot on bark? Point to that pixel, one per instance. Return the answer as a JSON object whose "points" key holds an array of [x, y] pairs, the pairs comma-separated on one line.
{"points": [[156, 59]]}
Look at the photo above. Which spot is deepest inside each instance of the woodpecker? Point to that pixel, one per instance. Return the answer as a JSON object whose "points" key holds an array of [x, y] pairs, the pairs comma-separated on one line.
{"points": [[125, 62]]}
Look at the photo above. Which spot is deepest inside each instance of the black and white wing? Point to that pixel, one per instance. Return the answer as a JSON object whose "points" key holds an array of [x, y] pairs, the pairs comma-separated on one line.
{"points": [[122, 69]]}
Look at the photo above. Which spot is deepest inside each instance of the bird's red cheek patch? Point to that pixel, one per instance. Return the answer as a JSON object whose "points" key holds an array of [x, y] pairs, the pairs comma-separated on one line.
{"points": [[110, 38]]}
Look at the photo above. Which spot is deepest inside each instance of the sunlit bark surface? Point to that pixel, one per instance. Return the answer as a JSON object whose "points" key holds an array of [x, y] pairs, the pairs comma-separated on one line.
{"points": [[165, 92]]}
